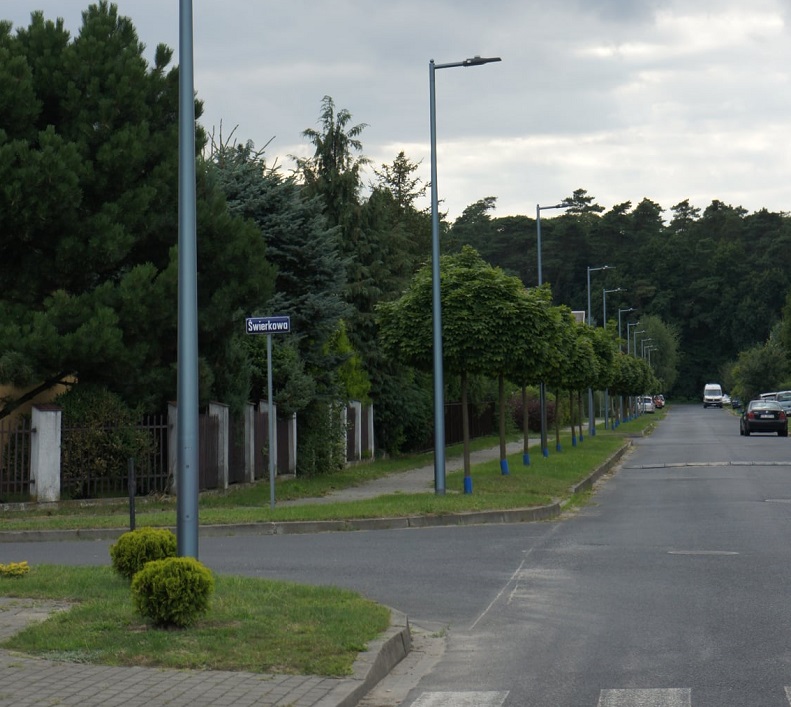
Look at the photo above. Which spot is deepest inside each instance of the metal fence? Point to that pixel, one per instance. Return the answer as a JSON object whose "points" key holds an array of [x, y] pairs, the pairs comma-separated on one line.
{"points": [[95, 461], [15, 459], [482, 421]]}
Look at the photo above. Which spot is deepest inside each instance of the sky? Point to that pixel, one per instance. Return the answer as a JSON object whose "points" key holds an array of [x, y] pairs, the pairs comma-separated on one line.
{"points": [[628, 99]]}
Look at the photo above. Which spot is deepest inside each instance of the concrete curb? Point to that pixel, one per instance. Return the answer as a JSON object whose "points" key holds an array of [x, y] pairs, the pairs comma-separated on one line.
{"points": [[382, 656]]}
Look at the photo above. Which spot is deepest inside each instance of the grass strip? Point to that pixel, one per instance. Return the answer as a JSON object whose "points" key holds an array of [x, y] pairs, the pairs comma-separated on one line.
{"points": [[255, 625], [545, 480]]}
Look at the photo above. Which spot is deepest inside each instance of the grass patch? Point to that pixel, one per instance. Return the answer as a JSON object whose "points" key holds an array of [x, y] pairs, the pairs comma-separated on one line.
{"points": [[544, 481], [255, 625]]}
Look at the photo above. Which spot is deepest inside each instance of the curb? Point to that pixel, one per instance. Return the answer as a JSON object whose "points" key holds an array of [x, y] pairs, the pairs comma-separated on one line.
{"points": [[373, 665], [516, 515]]}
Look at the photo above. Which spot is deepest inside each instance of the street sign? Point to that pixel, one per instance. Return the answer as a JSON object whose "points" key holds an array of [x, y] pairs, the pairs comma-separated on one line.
{"points": [[268, 325]]}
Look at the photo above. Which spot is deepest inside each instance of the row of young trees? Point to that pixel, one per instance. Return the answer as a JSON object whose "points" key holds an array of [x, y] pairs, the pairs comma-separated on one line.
{"points": [[494, 327]]}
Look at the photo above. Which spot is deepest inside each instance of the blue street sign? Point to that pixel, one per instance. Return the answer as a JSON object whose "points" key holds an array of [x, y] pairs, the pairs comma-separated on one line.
{"points": [[268, 325]]}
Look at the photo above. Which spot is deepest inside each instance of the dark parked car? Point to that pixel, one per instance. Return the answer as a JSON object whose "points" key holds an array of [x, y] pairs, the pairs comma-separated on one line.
{"points": [[764, 416]]}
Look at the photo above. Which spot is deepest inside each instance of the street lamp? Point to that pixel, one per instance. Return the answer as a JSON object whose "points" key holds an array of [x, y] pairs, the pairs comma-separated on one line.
{"points": [[187, 433], [643, 342], [620, 337], [439, 383], [620, 348], [634, 342], [542, 389], [604, 326], [591, 415]]}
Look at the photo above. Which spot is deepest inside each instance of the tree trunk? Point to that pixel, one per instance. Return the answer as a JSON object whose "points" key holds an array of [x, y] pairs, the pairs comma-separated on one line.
{"points": [[571, 415], [525, 429], [465, 426], [503, 452], [557, 420]]}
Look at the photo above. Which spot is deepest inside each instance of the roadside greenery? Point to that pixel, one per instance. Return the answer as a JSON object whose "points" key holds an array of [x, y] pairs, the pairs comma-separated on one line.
{"points": [[544, 480], [255, 625]]}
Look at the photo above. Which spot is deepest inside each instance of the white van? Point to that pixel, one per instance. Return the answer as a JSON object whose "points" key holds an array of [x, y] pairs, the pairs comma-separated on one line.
{"points": [[712, 395]]}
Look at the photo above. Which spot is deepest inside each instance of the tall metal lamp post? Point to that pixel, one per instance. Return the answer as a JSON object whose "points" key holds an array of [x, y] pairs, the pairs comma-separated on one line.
{"points": [[542, 389], [604, 326], [591, 413], [620, 348], [439, 383], [187, 354]]}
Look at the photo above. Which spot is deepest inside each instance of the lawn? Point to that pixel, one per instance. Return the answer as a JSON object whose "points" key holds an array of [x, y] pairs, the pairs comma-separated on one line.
{"points": [[255, 625]]}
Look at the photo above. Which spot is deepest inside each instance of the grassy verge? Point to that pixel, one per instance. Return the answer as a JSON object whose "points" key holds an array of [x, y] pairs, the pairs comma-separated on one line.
{"points": [[545, 480], [253, 624]]}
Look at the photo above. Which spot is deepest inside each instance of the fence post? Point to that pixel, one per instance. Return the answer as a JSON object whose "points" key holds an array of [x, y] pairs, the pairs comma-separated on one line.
{"points": [[369, 423], [357, 442], [173, 415], [220, 411], [45, 454], [292, 444], [263, 406], [249, 443]]}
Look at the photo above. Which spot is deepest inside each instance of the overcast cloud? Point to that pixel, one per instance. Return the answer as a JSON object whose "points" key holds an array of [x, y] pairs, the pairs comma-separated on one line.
{"points": [[664, 99]]}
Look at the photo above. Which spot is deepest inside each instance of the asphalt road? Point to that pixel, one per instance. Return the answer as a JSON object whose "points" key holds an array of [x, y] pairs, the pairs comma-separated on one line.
{"points": [[669, 590]]}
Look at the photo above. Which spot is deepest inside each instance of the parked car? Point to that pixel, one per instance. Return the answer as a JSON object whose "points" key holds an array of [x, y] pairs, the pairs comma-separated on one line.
{"points": [[784, 398], [736, 404], [726, 399], [764, 416], [646, 403], [659, 401]]}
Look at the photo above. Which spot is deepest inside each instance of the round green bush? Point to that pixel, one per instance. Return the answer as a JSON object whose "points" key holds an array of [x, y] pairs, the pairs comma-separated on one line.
{"points": [[137, 547], [173, 592]]}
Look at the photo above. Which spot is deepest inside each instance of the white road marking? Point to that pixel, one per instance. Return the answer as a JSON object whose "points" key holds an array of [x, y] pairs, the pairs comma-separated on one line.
{"points": [[701, 552], [460, 699], [672, 697]]}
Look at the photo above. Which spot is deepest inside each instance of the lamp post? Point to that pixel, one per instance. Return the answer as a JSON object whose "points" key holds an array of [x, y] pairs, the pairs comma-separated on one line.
{"points": [[604, 326], [634, 342], [187, 355], [591, 415], [542, 389], [620, 348], [439, 383], [643, 342], [634, 353]]}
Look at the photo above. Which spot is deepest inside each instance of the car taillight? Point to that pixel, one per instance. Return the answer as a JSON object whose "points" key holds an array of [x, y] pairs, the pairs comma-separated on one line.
{"points": [[782, 415], [751, 415]]}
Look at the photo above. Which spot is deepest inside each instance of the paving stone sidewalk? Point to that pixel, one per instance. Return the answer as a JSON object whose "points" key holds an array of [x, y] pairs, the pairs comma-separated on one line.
{"points": [[28, 682]]}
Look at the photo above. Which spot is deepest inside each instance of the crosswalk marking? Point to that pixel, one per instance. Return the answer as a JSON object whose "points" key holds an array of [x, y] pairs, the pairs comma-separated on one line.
{"points": [[660, 697], [460, 699], [672, 697]]}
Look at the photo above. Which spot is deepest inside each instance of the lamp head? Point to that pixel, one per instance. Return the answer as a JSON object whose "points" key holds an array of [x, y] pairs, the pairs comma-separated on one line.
{"points": [[478, 60]]}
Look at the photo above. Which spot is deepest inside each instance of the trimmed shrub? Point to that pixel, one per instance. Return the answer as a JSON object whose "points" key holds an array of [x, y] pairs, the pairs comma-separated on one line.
{"points": [[14, 569], [173, 592], [137, 547]]}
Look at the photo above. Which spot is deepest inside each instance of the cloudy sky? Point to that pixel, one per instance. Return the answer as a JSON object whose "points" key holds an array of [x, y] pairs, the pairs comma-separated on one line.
{"points": [[664, 99]]}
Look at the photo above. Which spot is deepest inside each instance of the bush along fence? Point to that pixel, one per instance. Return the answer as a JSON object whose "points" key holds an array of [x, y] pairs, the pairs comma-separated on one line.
{"points": [[43, 460]]}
